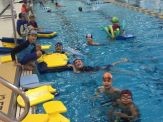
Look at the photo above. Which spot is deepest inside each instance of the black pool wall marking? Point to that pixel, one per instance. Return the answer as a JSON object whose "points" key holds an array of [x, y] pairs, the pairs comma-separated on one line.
{"points": [[139, 9]]}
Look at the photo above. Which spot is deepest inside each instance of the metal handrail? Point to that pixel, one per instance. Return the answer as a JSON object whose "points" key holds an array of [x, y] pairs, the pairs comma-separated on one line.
{"points": [[13, 21], [4, 9], [3, 116]]}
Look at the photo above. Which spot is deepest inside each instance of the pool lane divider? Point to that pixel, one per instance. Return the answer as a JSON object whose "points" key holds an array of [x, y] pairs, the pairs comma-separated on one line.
{"points": [[139, 9]]}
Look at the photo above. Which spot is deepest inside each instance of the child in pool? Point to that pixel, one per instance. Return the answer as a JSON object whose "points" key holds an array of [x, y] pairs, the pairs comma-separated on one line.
{"points": [[90, 40], [127, 110], [108, 89]]}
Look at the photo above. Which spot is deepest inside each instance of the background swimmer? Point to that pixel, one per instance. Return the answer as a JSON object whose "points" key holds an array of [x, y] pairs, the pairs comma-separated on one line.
{"points": [[78, 66], [90, 41], [80, 9]]}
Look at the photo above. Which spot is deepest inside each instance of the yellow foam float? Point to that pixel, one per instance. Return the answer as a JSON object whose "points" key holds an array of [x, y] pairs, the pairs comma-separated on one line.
{"points": [[54, 59], [46, 35], [37, 95], [9, 45], [58, 118], [54, 107], [36, 118], [5, 58], [45, 47], [12, 45]]}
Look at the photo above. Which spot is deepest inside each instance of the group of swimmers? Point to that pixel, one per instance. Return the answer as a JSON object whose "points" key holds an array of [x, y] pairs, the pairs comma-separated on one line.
{"points": [[115, 30], [122, 107]]}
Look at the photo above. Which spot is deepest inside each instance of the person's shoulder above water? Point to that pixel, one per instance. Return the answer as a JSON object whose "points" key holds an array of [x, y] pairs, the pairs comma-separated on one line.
{"points": [[90, 41], [127, 109]]}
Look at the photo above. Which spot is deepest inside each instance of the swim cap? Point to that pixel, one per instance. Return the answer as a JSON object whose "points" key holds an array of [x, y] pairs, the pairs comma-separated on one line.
{"points": [[58, 44], [126, 92], [89, 36], [107, 74], [78, 58], [114, 20]]}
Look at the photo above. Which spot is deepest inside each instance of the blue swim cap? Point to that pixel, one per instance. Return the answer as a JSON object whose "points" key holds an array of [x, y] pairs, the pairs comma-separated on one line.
{"points": [[58, 44]]}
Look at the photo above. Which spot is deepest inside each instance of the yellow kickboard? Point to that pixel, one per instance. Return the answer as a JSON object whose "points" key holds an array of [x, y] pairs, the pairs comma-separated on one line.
{"points": [[12, 45], [5, 58], [9, 45], [57, 118], [45, 47], [37, 95], [54, 107], [36, 118], [50, 35], [48, 88], [54, 59]]}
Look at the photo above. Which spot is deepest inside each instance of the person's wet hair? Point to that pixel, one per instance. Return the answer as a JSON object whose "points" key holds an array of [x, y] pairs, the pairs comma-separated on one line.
{"points": [[76, 60], [80, 9], [89, 36]]}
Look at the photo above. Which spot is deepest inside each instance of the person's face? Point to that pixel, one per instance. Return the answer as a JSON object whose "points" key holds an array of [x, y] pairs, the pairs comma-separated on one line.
{"points": [[78, 64], [107, 82], [126, 99], [58, 48], [32, 38]]}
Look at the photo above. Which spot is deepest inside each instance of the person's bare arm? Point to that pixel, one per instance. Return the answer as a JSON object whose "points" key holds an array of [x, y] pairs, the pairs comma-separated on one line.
{"points": [[121, 61], [74, 69]]}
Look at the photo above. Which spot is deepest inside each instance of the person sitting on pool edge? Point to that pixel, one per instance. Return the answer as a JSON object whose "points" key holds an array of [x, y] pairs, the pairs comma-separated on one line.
{"points": [[25, 54], [32, 22], [78, 66], [126, 111], [90, 40]]}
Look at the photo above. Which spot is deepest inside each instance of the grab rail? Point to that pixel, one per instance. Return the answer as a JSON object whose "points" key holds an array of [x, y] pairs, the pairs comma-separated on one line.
{"points": [[3, 116], [4, 9]]}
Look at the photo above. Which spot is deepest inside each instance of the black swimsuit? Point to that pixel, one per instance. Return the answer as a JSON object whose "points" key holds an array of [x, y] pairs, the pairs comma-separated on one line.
{"points": [[42, 68], [94, 69]]}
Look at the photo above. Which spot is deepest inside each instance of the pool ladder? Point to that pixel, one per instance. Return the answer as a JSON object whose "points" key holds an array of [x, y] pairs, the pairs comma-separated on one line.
{"points": [[4, 117]]}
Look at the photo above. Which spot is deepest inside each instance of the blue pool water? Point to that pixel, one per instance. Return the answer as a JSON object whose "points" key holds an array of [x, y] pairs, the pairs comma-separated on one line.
{"points": [[143, 73]]}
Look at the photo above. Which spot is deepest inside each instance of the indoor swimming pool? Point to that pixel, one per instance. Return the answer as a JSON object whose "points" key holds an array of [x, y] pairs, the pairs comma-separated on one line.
{"points": [[142, 74]]}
